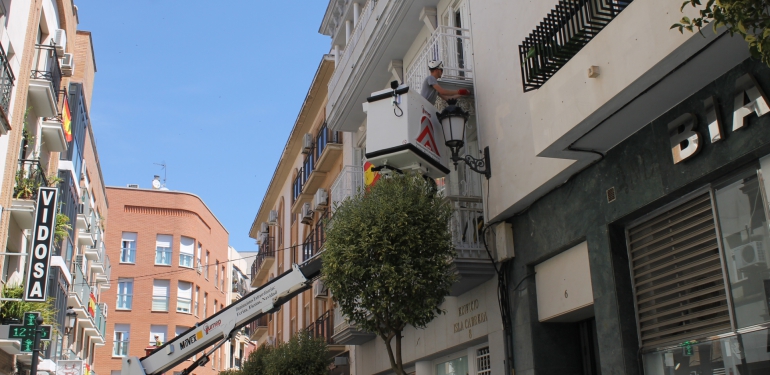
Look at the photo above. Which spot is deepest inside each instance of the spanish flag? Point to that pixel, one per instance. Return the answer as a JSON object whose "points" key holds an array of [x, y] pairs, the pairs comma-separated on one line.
{"points": [[370, 176], [66, 122]]}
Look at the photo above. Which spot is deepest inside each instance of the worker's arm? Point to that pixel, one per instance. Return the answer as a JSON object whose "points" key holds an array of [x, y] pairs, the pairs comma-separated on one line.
{"points": [[449, 94]]}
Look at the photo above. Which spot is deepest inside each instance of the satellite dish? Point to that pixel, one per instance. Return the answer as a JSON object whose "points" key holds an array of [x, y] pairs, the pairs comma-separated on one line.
{"points": [[155, 184]]}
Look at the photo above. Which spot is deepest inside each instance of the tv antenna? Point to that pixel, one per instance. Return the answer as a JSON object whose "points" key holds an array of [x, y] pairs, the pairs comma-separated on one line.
{"points": [[163, 166]]}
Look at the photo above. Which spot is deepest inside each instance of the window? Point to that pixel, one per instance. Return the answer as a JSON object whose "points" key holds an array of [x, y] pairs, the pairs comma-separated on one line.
{"points": [[216, 275], [120, 342], [205, 305], [457, 366], [207, 265], [223, 279], [163, 249], [197, 299], [125, 294], [215, 306], [184, 297], [158, 334], [198, 260], [160, 295], [483, 362], [186, 248], [128, 248]]}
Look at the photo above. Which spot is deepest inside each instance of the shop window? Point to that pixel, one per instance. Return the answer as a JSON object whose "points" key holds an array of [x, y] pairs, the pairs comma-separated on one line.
{"points": [[457, 366], [677, 272]]}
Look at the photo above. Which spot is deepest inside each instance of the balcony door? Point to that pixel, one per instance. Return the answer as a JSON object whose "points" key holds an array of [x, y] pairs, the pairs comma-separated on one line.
{"points": [[456, 20]]}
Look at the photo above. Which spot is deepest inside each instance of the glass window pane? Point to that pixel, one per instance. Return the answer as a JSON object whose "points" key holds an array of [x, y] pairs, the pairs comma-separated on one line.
{"points": [[457, 366], [745, 240]]}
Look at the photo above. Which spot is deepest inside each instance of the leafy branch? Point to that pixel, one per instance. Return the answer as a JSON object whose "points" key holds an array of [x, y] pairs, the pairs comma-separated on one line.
{"points": [[748, 18]]}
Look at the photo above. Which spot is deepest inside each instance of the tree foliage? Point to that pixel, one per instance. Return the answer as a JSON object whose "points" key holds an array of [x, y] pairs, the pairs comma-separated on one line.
{"points": [[748, 18], [388, 258], [16, 309], [301, 355]]}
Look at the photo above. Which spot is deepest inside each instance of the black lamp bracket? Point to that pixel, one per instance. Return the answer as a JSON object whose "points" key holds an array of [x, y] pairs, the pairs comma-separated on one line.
{"points": [[477, 165]]}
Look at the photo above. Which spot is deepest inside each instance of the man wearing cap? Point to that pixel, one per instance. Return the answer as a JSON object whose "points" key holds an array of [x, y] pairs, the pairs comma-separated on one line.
{"points": [[431, 89]]}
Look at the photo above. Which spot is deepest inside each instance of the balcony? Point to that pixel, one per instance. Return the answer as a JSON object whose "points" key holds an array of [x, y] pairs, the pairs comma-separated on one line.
{"points": [[328, 147], [87, 233], [6, 88], [323, 328], [52, 128], [29, 177], [347, 333], [45, 81], [349, 182], [299, 194], [258, 328], [315, 240], [452, 45], [471, 260], [260, 269], [103, 278]]}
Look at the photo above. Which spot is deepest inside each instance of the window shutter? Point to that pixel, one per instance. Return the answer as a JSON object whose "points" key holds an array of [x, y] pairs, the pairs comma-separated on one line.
{"points": [[129, 236], [160, 288], [677, 273], [184, 290], [123, 328], [181, 329], [187, 246], [164, 240]]}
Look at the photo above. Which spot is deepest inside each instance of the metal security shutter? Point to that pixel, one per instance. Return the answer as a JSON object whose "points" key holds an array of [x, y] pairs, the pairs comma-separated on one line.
{"points": [[677, 274]]}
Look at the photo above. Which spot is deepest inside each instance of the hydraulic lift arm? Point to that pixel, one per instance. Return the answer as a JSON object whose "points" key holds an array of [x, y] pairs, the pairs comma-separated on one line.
{"points": [[221, 326]]}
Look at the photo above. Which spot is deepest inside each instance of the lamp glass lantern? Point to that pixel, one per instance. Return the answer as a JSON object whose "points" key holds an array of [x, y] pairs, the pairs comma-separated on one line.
{"points": [[69, 322], [453, 120]]}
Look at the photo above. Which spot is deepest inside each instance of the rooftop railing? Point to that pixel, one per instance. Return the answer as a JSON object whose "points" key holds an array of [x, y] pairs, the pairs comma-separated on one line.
{"points": [[561, 35]]}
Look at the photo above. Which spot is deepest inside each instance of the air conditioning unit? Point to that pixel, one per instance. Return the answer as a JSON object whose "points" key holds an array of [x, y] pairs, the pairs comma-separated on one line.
{"points": [[264, 228], [262, 238], [104, 309], [273, 218], [749, 255], [307, 143], [321, 199], [270, 340], [67, 64], [320, 290], [80, 261], [133, 186], [307, 214], [60, 40]]}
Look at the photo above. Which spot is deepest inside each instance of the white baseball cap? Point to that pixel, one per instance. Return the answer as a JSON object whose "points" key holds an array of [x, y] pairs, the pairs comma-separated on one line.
{"points": [[435, 64]]}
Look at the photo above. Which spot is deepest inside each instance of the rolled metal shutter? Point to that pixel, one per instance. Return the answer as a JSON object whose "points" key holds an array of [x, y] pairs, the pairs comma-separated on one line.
{"points": [[678, 277]]}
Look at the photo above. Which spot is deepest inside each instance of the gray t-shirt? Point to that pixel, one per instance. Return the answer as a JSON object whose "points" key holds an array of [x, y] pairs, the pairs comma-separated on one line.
{"points": [[427, 91]]}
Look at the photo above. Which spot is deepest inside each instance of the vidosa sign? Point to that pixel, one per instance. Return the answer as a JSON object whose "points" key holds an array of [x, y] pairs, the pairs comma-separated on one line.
{"points": [[42, 242]]}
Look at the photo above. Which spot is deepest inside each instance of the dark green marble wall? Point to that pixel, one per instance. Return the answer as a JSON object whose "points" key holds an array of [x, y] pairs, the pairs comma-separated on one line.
{"points": [[645, 178]]}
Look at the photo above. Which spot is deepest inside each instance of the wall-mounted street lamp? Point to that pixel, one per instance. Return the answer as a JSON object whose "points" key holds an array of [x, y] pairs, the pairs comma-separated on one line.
{"points": [[453, 120], [69, 321]]}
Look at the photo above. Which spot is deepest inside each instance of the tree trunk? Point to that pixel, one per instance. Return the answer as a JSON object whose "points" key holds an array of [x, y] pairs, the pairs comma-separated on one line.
{"points": [[399, 361], [395, 359]]}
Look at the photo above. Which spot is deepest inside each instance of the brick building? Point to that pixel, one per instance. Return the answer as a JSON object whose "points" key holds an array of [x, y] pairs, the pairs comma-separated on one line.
{"points": [[170, 260]]}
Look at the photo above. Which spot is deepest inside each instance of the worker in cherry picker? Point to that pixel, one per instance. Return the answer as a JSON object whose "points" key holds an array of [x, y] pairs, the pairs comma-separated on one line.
{"points": [[431, 89]]}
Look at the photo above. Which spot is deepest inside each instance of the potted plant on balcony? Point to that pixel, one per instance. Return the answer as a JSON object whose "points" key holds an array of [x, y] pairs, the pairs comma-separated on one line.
{"points": [[62, 227], [13, 311]]}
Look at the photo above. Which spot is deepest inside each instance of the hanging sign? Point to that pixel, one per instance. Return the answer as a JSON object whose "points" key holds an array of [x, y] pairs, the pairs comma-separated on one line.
{"points": [[25, 332], [42, 243], [69, 367]]}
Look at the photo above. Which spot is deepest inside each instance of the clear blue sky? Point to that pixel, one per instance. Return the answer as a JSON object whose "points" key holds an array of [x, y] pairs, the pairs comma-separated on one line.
{"points": [[211, 88]]}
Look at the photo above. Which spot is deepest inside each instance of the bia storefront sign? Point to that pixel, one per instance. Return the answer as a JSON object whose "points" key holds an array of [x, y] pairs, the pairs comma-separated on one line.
{"points": [[686, 141], [42, 241]]}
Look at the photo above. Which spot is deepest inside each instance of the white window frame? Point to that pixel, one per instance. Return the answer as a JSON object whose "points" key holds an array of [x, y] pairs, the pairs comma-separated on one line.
{"points": [[157, 297], [128, 246], [163, 253], [181, 301], [121, 339], [127, 297]]}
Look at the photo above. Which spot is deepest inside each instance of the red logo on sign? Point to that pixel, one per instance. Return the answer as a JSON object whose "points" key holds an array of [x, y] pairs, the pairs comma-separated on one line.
{"points": [[426, 135]]}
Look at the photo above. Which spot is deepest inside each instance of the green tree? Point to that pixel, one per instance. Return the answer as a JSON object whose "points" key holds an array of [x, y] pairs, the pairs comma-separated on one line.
{"points": [[388, 258], [255, 364], [301, 355], [748, 18]]}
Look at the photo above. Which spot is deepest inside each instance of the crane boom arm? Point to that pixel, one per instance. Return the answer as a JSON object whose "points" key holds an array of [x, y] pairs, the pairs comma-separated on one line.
{"points": [[221, 325]]}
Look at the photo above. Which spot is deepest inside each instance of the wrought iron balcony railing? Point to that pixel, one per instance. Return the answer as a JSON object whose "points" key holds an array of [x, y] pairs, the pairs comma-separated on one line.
{"points": [[298, 184], [47, 67], [325, 137], [451, 45], [6, 84], [322, 328], [314, 241], [561, 35], [29, 177], [267, 249], [467, 225]]}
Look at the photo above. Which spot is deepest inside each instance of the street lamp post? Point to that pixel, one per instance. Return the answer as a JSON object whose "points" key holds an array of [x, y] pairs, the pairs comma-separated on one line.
{"points": [[36, 348], [69, 323], [453, 120]]}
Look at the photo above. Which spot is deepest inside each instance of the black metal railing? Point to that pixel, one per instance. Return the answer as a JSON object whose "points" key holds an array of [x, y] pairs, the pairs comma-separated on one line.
{"points": [[325, 137], [29, 178], [261, 322], [267, 249], [298, 184], [47, 67], [561, 35], [6, 82], [315, 240], [323, 327]]}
